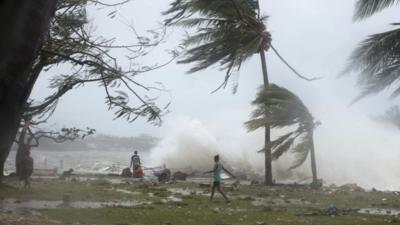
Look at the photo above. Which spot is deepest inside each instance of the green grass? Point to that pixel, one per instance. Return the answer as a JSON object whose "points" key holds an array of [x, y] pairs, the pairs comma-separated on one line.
{"points": [[200, 213], [98, 190], [323, 199], [197, 210]]}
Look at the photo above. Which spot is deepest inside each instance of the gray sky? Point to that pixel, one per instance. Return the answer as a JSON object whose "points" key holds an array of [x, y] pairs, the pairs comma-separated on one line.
{"points": [[315, 36]]}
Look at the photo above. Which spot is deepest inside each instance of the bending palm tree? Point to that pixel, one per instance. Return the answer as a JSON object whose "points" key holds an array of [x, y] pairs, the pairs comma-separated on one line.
{"points": [[377, 59], [227, 32], [277, 107]]}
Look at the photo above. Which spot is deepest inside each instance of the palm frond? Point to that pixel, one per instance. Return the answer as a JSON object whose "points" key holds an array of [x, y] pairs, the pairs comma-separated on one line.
{"points": [[256, 123], [285, 146], [280, 108], [181, 9], [280, 105], [377, 61], [367, 8], [279, 141], [302, 150], [227, 32]]}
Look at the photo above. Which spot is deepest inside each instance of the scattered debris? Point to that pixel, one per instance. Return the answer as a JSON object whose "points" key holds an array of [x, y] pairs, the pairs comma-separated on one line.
{"points": [[317, 184], [187, 191], [330, 211], [163, 175], [180, 175], [67, 174], [351, 188], [281, 201], [379, 211], [126, 172]]}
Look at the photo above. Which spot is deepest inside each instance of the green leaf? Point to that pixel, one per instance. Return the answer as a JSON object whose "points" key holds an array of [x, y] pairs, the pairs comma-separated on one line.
{"points": [[367, 8]]}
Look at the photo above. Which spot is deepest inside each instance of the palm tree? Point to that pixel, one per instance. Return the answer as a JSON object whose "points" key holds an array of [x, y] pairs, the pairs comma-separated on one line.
{"points": [[277, 107], [228, 32], [377, 58]]}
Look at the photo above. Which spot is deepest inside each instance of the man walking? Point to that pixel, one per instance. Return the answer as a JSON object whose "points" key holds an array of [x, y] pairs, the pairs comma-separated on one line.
{"points": [[218, 167]]}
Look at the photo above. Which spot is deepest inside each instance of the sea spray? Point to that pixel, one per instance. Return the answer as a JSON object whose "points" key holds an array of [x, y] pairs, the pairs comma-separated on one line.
{"points": [[187, 144], [190, 145]]}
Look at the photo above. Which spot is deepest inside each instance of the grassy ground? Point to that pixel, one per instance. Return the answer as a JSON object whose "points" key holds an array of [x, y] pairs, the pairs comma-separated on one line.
{"points": [[281, 205]]}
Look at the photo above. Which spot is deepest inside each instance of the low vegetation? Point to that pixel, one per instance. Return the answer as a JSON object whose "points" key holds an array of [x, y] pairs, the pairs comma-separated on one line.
{"points": [[187, 203]]}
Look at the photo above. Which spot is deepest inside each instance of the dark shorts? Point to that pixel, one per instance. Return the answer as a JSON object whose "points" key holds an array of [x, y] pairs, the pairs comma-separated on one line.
{"points": [[216, 183]]}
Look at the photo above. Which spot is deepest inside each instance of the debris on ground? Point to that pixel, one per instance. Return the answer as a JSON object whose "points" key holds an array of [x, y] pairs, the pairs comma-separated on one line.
{"points": [[180, 175], [67, 173], [126, 172], [330, 211], [351, 188], [163, 175], [317, 184]]}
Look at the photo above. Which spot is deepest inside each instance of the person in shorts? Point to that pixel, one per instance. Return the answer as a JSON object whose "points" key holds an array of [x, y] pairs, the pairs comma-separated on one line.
{"points": [[218, 167]]}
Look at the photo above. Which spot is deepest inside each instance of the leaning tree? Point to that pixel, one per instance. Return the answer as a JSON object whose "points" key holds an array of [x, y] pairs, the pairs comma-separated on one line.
{"points": [[279, 108], [227, 32], [33, 132], [90, 58], [23, 24]]}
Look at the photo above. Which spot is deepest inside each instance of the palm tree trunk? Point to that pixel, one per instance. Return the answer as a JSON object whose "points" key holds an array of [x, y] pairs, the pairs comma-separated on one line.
{"points": [[267, 147], [313, 162]]}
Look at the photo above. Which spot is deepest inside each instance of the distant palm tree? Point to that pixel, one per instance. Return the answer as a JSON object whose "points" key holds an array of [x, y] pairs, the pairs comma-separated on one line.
{"points": [[377, 58], [277, 107], [228, 32]]}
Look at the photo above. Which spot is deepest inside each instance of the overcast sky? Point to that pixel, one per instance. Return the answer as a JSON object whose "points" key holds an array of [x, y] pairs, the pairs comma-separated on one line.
{"points": [[315, 36]]}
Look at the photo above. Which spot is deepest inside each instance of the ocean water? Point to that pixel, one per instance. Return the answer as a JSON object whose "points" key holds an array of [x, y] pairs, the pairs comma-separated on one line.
{"points": [[85, 161]]}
